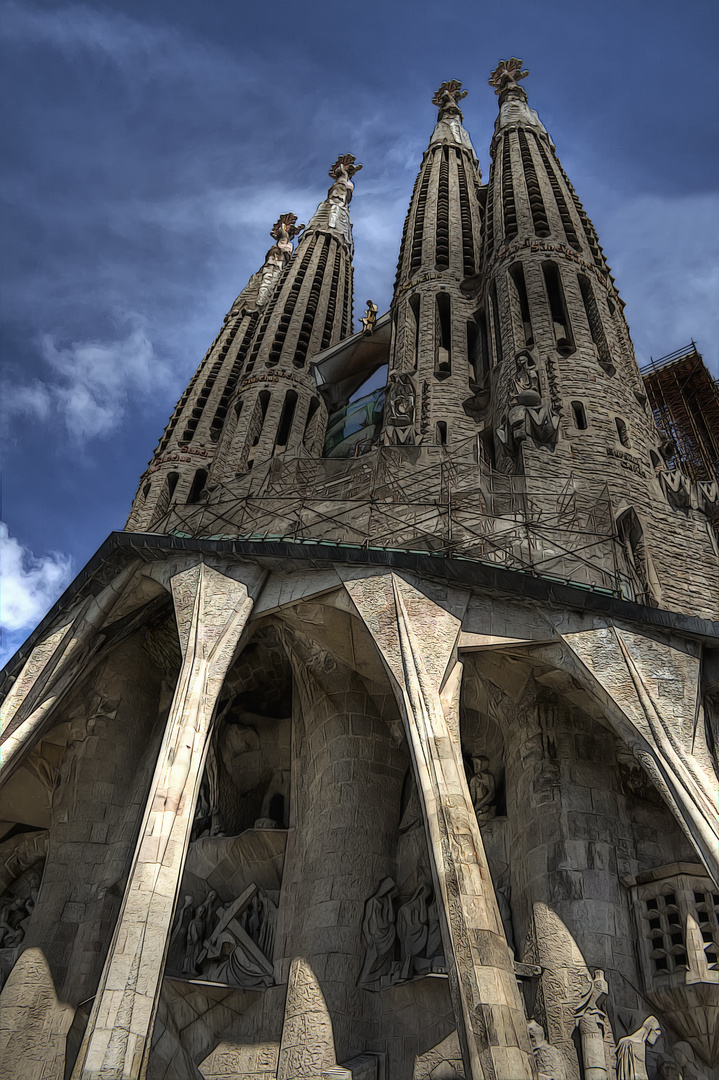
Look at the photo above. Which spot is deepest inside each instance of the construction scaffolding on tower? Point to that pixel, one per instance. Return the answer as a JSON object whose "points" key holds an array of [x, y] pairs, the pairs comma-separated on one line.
{"points": [[434, 500], [685, 401]]}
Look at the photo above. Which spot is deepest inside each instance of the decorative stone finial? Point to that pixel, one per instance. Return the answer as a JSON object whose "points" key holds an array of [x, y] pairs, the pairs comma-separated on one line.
{"points": [[448, 97], [344, 167], [506, 76], [285, 229]]}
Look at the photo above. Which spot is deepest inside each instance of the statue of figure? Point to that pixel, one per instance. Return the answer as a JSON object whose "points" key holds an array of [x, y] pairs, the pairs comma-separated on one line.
{"points": [[370, 318], [593, 1025], [378, 932], [688, 1064], [196, 930], [527, 416], [399, 410], [550, 1062], [12, 913], [339, 195], [412, 927], [631, 1051], [482, 789], [178, 938], [506, 75]]}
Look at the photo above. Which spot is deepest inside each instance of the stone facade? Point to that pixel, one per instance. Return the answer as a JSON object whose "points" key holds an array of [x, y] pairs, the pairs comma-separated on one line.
{"points": [[398, 766]]}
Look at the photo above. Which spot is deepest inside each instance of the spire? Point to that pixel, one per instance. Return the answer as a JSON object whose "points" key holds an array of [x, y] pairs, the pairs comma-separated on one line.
{"points": [[258, 290], [333, 213], [513, 108], [448, 128]]}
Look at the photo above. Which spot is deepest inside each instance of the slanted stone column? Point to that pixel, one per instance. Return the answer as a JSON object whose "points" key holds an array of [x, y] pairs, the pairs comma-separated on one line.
{"points": [[52, 668], [417, 641], [212, 611]]}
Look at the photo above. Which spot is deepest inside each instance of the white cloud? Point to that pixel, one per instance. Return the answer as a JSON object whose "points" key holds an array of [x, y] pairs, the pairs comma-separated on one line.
{"points": [[30, 585], [90, 384]]}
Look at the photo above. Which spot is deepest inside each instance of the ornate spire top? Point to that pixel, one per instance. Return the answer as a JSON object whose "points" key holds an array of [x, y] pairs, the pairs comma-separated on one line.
{"points": [[506, 76], [344, 168], [284, 230], [448, 97]]}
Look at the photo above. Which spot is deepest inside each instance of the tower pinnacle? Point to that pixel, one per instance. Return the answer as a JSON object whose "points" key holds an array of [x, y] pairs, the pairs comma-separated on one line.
{"points": [[505, 79], [448, 129]]}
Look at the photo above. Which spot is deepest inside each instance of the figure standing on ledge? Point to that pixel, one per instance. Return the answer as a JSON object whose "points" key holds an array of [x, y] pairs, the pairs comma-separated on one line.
{"points": [[370, 318], [378, 932], [482, 790], [631, 1051]]}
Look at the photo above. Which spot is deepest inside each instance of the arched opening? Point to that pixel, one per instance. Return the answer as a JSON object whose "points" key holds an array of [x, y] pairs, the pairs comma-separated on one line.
{"points": [[622, 432], [579, 415], [496, 335], [172, 479], [594, 322], [263, 402], [558, 308], [311, 423], [198, 485], [414, 304], [638, 579], [286, 418], [441, 433], [146, 490], [443, 337], [516, 274]]}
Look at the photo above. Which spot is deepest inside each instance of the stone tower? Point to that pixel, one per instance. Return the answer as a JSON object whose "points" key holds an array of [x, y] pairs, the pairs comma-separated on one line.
{"points": [[383, 741]]}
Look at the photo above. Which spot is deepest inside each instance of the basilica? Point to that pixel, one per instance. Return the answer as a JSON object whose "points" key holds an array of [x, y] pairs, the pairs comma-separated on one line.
{"points": [[383, 741]]}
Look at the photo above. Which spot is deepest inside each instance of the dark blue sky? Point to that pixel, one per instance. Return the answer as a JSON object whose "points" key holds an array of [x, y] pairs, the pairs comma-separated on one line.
{"points": [[149, 147]]}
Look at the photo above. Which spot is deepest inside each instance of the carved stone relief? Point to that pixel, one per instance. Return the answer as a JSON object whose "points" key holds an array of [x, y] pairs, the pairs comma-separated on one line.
{"points": [[631, 1051], [402, 941], [528, 416], [399, 411]]}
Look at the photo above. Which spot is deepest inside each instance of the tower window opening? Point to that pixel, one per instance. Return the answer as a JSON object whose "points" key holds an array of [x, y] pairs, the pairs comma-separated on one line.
{"points": [[496, 333], [465, 214], [309, 437], [622, 432], [481, 353], [536, 203], [558, 308], [146, 490], [579, 415], [443, 361], [263, 402], [332, 301], [414, 305], [290, 304], [637, 579], [510, 210], [567, 223], [442, 234], [286, 418], [441, 433], [489, 219], [418, 229], [198, 485], [472, 346], [313, 299], [596, 328], [516, 273], [172, 480]]}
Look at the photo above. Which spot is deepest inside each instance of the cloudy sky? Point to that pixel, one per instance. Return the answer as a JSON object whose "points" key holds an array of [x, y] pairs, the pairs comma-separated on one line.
{"points": [[150, 144]]}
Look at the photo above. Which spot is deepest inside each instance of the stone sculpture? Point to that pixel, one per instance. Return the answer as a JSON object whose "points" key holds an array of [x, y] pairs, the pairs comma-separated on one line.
{"points": [[593, 1023], [339, 195], [378, 933], [370, 318], [549, 1060], [506, 75], [482, 789], [449, 121], [412, 930], [528, 417], [400, 411], [196, 930], [631, 1050], [13, 914]]}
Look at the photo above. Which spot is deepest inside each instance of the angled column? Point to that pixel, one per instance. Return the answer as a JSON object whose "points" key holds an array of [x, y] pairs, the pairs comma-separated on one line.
{"points": [[52, 668], [212, 611], [417, 640]]}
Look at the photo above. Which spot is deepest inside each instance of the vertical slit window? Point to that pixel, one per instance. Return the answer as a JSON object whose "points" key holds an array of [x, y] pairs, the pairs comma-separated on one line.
{"points": [[622, 432], [441, 436], [567, 224], [414, 302], [405, 233], [558, 308], [311, 422], [332, 302], [286, 418], [496, 333], [465, 214], [516, 273], [418, 230], [579, 416], [594, 322], [442, 243], [443, 356], [472, 347], [263, 402], [308, 321], [489, 218], [510, 210], [481, 356], [536, 203], [198, 485]]}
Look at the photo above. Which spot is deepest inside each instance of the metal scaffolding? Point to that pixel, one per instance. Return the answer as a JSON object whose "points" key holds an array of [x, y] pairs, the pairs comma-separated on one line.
{"points": [[685, 401], [428, 499]]}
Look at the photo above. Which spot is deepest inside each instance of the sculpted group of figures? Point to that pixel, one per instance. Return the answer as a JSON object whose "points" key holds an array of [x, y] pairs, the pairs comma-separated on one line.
{"points": [[229, 944], [400, 944]]}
